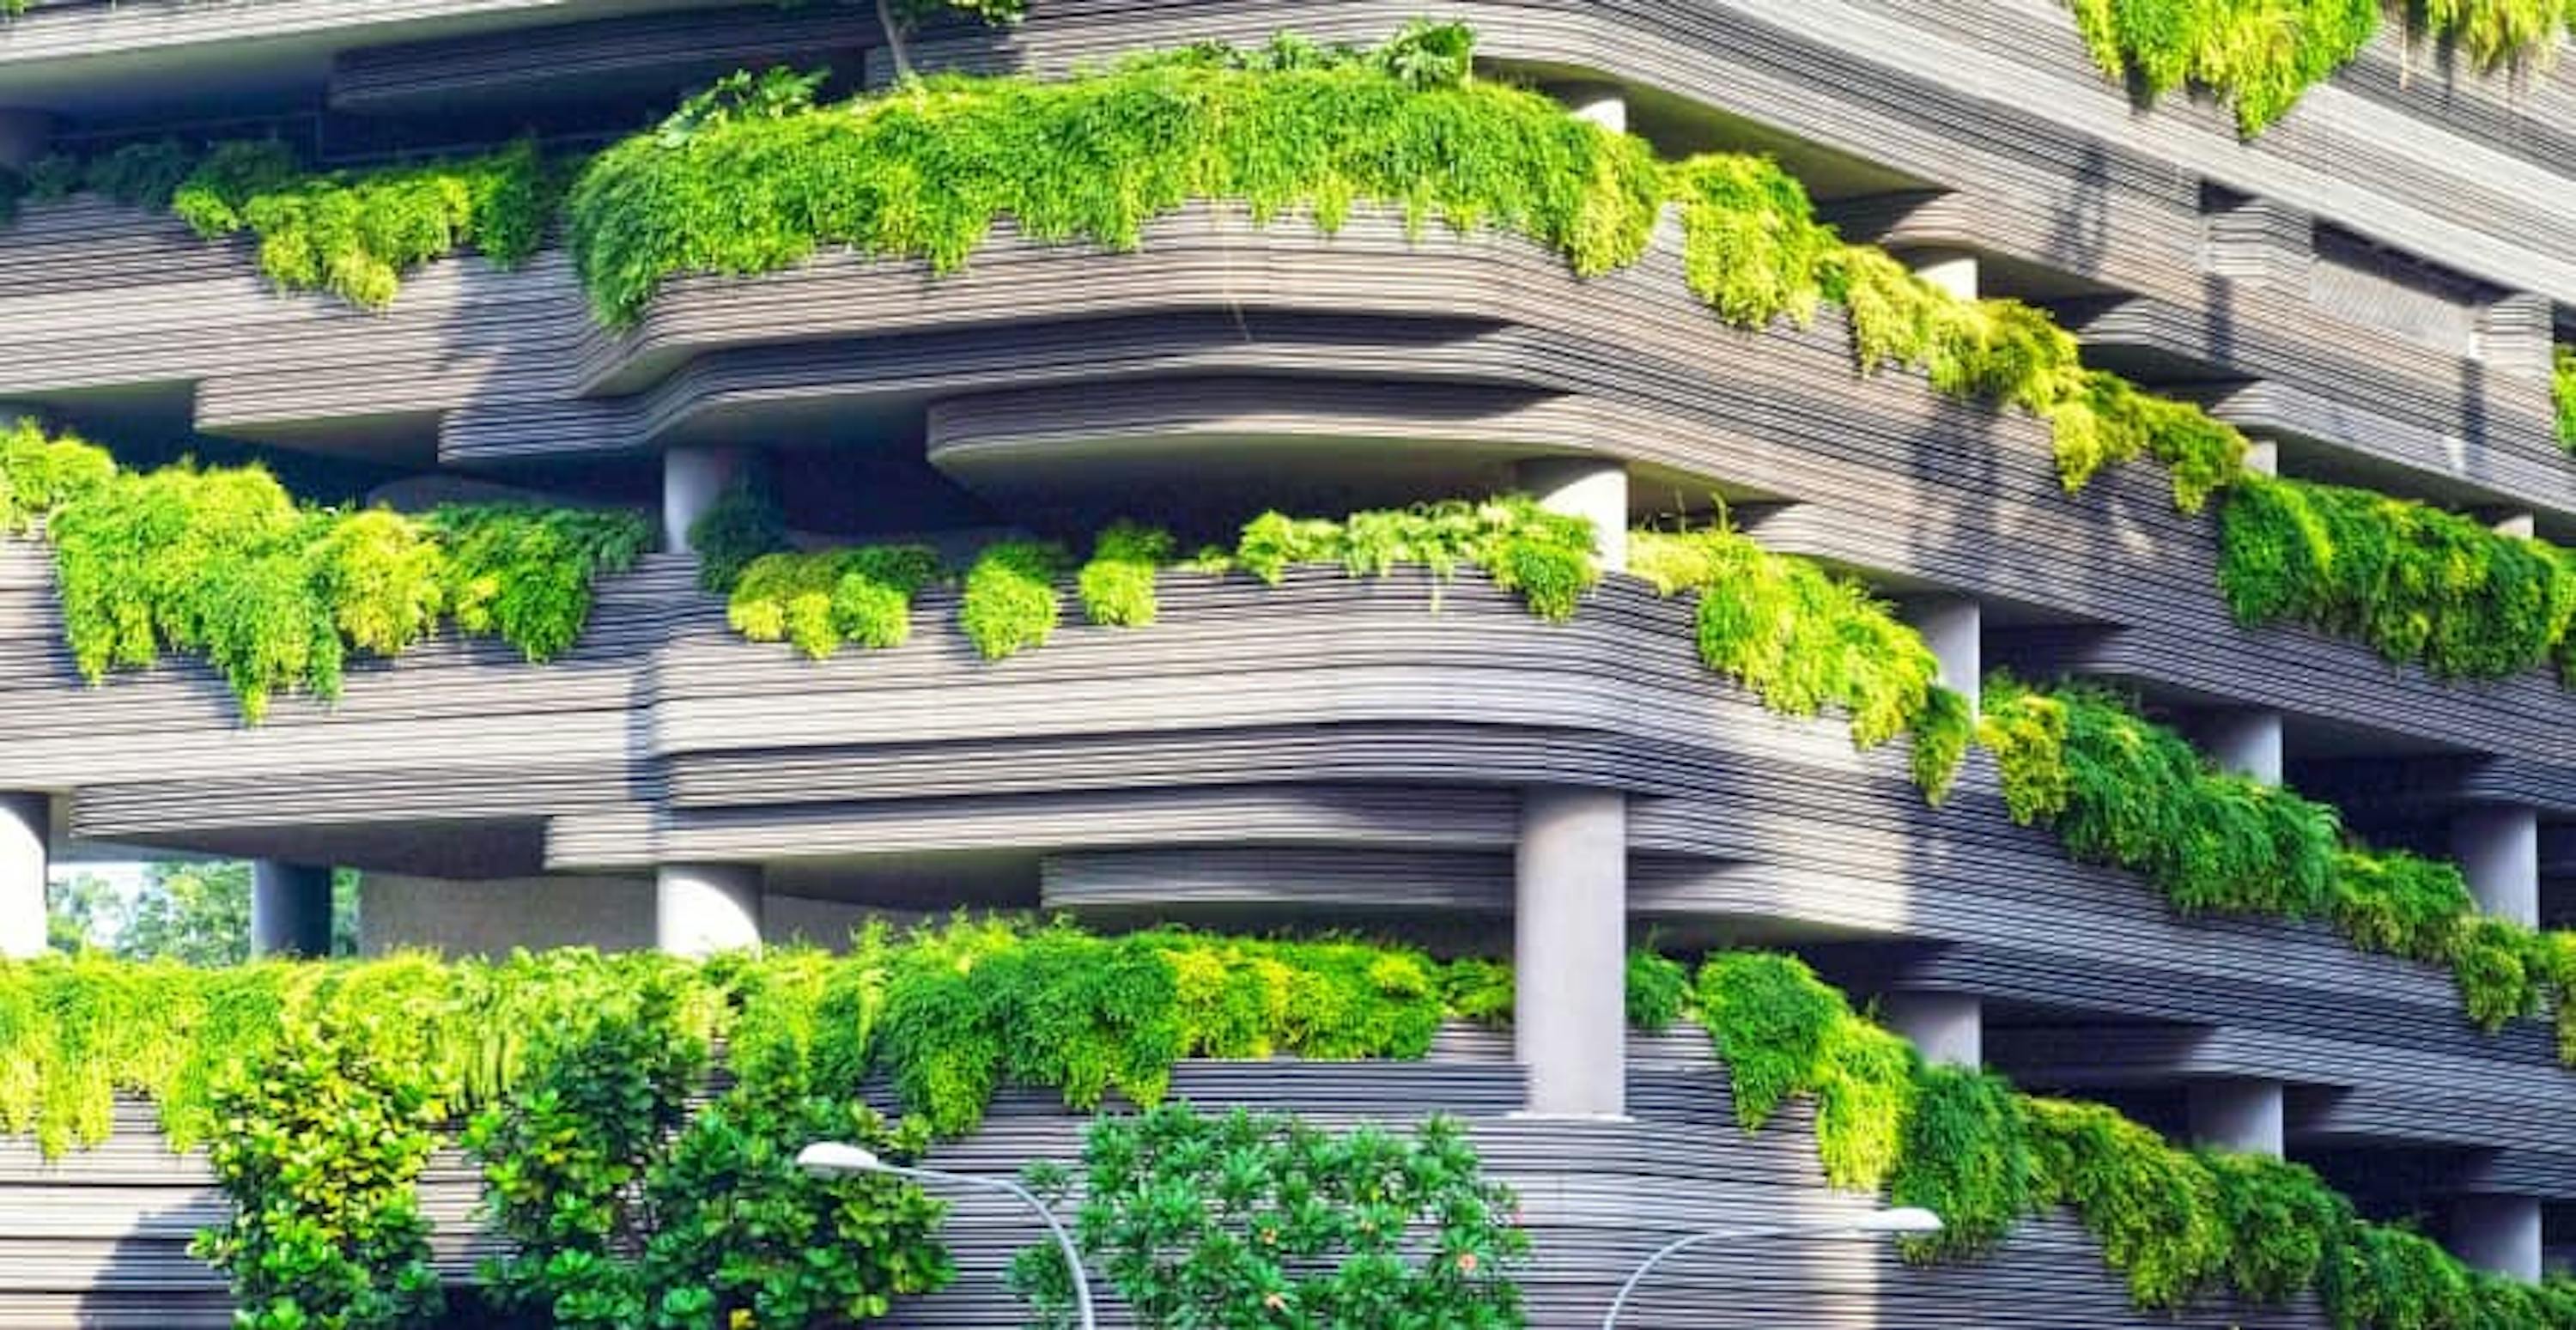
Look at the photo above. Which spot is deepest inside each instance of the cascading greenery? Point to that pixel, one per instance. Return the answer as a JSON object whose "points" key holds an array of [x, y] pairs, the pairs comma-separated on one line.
{"points": [[2421, 585], [1800, 638], [351, 233], [2563, 392], [276, 594], [2178, 1223], [2123, 791], [2262, 55]]}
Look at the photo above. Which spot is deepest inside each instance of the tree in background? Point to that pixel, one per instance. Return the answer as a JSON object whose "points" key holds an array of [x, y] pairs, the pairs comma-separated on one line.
{"points": [[197, 913]]}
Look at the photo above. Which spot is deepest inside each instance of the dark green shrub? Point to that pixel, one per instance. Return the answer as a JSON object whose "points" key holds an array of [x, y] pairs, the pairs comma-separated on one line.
{"points": [[2421, 585], [342, 1243], [742, 1236], [1241, 1220], [2157, 1210], [743, 524], [1659, 991], [1967, 1156]]}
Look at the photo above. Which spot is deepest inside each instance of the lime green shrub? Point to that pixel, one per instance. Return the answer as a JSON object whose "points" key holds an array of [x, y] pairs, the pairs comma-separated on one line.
{"points": [[820, 600], [1801, 638], [2421, 585], [1117, 585], [275, 594], [1544, 557], [2262, 55], [1010, 603]]}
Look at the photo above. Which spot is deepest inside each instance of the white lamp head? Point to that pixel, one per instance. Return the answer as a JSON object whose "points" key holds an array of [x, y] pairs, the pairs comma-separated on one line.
{"points": [[839, 1159]]}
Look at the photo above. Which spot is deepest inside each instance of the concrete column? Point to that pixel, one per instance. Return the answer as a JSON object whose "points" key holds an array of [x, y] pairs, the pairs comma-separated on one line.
{"points": [[2245, 741], [2263, 456], [1584, 487], [1570, 951], [2498, 848], [25, 823], [290, 909], [692, 480], [701, 909], [1604, 104], [2514, 523], [2498, 1233], [2244, 1116], [1955, 628], [1948, 1029], [24, 136], [1952, 270]]}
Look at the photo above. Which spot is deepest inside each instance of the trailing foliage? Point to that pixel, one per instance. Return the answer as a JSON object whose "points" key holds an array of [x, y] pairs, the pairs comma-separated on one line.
{"points": [[351, 233], [2123, 791], [1285, 1224], [276, 594], [1801, 638], [2422, 585], [925, 170], [1544, 557], [2262, 55], [2563, 391], [2179, 1224]]}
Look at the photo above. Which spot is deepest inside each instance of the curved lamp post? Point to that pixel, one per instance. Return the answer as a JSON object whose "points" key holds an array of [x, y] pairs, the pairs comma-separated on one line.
{"points": [[837, 1159], [1901, 1220]]}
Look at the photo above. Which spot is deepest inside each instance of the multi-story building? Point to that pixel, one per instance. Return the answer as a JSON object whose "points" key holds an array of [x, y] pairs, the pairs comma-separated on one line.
{"points": [[2367, 288]]}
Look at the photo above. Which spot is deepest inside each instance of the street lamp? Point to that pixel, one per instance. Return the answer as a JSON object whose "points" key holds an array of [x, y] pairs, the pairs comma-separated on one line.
{"points": [[838, 1159], [1902, 1219]]}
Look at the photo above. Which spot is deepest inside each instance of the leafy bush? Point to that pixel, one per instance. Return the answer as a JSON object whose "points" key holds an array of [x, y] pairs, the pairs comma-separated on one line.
{"points": [[2423, 586], [1544, 557], [2563, 391], [743, 524], [342, 1243], [1247, 1219], [820, 600], [1967, 1156], [1117, 585], [1010, 603], [1801, 638]]}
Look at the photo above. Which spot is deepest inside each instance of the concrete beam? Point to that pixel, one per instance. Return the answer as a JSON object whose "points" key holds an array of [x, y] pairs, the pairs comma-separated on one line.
{"points": [[1948, 1029], [26, 822], [2498, 1233], [702, 909], [2239, 1115], [1584, 487], [692, 480], [290, 909], [1570, 951], [2498, 848]]}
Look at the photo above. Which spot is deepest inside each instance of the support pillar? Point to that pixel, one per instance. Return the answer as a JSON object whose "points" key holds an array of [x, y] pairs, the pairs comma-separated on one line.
{"points": [[701, 909], [2244, 1116], [2498, 849], [1948, 1029], [1952, 270], [26, 821], [2262, 456], [1955, 628], [1604, 104], [24, 136], [2498, 1233], [692, 480], [2518, 522], [1589, 488], [1570, 951], [2245, 741], [290, 909]]}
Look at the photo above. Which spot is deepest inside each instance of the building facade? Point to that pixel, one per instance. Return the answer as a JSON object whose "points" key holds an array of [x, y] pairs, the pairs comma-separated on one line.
{"points": [[2367, 291]]}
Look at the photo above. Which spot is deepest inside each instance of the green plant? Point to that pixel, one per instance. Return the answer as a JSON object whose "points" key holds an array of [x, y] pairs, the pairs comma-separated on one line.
{"points": [[2563, 392], [1967, 1156], [2261, 55], [743, 524], [1245, 1219], [1545, 557], [820, 600], [1801, 638], [1010, 602], [1117, 585], [342, 1244], [2421, 585]]}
